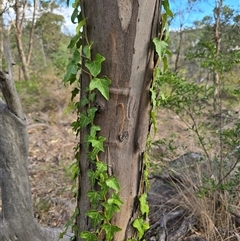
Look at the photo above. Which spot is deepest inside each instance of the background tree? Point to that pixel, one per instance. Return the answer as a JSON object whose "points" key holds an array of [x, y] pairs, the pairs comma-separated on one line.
{"points": [[20, 14], [218, 38], [15, 188], [183, 15], [48, 29]]}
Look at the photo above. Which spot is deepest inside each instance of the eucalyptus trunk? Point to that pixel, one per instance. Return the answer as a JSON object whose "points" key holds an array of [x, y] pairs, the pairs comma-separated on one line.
{"points": [[122, 31], [217, 40]]}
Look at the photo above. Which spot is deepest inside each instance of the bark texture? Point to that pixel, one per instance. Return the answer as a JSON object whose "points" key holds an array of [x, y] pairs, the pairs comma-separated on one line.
{"points": [[16, 220], [122, 31], [217, 40]]}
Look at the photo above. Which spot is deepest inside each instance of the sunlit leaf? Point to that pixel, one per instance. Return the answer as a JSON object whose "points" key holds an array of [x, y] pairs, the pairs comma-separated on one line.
{"points": [[144, 204], [88, 236], [160, 46], [113, 183], [115, 199], [95, 66], [101, 84], [110, 230], [96, 217], [110, 209], [141, 226]]}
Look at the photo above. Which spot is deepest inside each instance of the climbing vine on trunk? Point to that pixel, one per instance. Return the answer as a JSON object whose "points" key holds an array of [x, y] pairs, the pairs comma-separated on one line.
{"points": [[104, 197]]}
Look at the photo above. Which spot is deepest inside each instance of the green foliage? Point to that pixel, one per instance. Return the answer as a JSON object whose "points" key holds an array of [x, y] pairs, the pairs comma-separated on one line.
{"points": [[88, 236], [48, 26], [60, 59], [161, 47], [143, 204], [190, 101], [141, 226], [94, 66]]}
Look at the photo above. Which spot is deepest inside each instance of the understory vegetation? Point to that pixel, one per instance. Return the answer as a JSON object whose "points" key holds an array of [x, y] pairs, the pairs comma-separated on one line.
{"points": [[197, 146]]}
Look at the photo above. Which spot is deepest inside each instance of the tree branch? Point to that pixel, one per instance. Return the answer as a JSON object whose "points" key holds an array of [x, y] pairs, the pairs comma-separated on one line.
{"points": [[9, 92]]}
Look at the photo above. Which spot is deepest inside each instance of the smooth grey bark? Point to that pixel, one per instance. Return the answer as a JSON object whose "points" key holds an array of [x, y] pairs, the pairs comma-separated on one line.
{"points": [[17, 219], [122, 31]]}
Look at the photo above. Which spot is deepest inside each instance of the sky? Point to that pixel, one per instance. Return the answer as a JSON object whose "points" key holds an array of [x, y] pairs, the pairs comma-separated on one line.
{"points": [[202, 8]]}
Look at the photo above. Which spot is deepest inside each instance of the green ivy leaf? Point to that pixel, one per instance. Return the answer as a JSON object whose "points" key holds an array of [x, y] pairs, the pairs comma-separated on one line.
{"points": [[165, 4], [113, 183], [84, 121], [87, 50], [92, 177], [72, 70], [141, 226], [76, 56], [74, 15], [101, 84], [94, 129], [84, 101], [91, 113], [96, 217], [104, 188], [97, 142], [115, 199], [95, 66], [74, 40], [92, 155], [110, 230], [144, 204], [87, 119], [109, 211], [94, 198], [160, 46], [88, 236], [80, 25], [101, 167], [75, 125]]}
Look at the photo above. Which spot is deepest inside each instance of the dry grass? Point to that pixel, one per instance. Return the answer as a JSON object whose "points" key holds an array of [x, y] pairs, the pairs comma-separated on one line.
{"points": [[211, 206], [214, 221]]}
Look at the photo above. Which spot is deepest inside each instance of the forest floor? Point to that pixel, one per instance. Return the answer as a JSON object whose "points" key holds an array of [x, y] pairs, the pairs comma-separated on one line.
{"points": [[51, 150]]}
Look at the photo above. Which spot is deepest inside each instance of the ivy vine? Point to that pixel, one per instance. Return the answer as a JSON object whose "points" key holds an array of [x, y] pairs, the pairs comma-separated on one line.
{"points": [[161, 66], [105, 201]]}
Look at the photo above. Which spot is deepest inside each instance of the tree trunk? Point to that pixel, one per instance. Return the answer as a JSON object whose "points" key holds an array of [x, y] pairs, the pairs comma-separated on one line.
{"points": [[1, 35], [122, 31], [19, 20], [16, 218], [217, 40], [31, 35], [22, 56], [180, 43]]}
